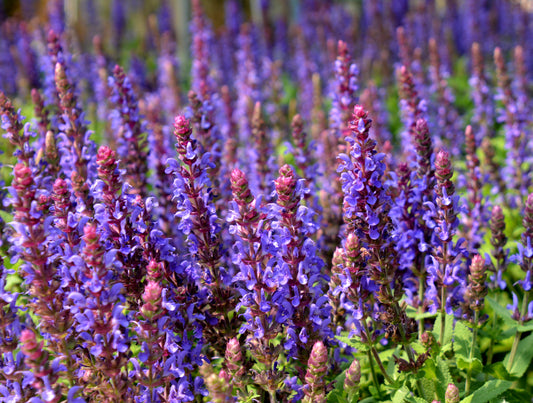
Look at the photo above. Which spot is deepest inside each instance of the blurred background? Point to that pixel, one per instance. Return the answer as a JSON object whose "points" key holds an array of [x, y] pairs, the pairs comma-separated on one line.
{"points": [[83, 16], [127, 31], [127, 23]]}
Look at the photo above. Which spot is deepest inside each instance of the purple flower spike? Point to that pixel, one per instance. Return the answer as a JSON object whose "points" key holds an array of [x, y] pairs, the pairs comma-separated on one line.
{"points": [[445, 271], [130, 130]]}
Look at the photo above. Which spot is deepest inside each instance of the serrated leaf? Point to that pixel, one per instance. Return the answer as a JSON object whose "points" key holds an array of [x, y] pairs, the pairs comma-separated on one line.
{"points": [[428, 389], [373, 391], [391, 364], [501, 311], [475, 364], [462, 340], [489, 390], [448, 330], [497, 370], [418, 347], [430, 369], [443, 378], [336, 396], [523, 357], [506, 334], [526, 327], [514, 396], [400, 395], [447, 347], [360, 346], [415, 399]]}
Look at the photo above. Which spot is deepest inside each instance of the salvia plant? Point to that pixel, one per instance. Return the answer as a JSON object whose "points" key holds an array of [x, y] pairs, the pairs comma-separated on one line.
{"points": [[301, 201]]}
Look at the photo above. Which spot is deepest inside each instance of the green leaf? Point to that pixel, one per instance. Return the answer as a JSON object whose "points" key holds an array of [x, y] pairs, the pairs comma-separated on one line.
{"points": [[501, 311], [463, 337], [400, 395], [448, 329], [523, 357], [336, 396], [360, 346], [475, 364], [413, 313], [6, 216], [497, 370], [526, 327], [462, 342], [443, 378], [415, 399], [515, 396], [428, 389], [447, 347], [489, 390], [430, 369], [391, 365]]}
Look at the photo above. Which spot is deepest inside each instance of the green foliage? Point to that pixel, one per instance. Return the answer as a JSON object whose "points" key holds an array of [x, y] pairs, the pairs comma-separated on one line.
{"points": [[523, 357], [488, 391]]}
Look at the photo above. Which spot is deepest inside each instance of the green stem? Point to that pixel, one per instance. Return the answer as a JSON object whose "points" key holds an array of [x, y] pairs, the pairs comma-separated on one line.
{"points": [[443, 295], [375, 353], [471, 355], [272, 394], [405, 342], [518, 334], [151, 381], [442, 314], [490, 352], [66, 352], [373, 373], [421, 305]]}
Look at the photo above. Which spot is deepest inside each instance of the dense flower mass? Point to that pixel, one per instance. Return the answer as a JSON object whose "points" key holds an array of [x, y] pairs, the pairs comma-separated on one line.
{"points": [[334, 204]]}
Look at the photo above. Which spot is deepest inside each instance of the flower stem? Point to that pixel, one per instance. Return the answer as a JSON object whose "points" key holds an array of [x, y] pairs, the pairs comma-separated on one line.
{"points": [[376, 355], [471, 355], [490, 352], [518, 333], [442, 314], [421, 305], [373, 373]]}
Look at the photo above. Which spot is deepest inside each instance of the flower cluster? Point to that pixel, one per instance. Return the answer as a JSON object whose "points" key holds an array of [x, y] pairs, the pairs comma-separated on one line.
{"points": [[334, 204]]}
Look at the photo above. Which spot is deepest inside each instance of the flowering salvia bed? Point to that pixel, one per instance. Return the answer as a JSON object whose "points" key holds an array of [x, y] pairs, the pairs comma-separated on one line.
{"points": [[330, 207]]}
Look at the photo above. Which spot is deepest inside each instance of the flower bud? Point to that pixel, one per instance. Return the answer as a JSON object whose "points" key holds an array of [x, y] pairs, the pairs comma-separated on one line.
{"points": [[151, 300], [423, 147], [239, 187], [314, 388], [50, 147], [154, 269], [23, 177], [452, 394], [527, 221], [353, 376], [183, 129], [285, 188], [106, 159], [92, 252], [477, 284], [444, 173], [32, 349], [497, 228], [233, 358]]}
